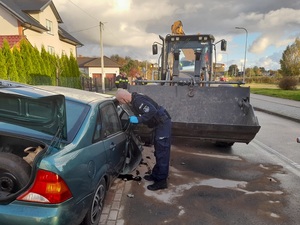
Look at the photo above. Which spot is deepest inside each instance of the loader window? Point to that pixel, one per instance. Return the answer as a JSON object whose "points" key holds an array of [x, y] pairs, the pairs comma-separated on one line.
{"points": [[186, 65], [187, 60]]}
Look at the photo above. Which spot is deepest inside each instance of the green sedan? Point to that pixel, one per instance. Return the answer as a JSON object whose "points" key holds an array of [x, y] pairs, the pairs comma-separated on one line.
{"points": [[60, 151]]}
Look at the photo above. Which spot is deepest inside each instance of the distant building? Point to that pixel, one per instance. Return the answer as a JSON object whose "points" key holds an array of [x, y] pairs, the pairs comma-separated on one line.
{"points": [[91, 67], [219, 69], [38, 22]]}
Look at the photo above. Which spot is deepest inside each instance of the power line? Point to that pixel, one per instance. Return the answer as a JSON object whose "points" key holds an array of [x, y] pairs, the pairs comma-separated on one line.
{"points": [[112, 33], [84, 11], [89, 14], [76, 31]]}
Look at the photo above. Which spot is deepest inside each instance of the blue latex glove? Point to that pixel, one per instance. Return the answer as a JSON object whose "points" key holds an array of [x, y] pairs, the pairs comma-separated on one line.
{"points": [[133, 119]]}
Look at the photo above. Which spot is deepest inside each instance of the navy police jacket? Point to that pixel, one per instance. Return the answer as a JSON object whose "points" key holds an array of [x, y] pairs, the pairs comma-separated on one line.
{"points": [[148, 111]]}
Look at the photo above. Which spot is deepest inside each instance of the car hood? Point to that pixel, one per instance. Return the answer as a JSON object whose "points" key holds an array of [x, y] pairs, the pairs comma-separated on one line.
{"points": [[35, 109]]}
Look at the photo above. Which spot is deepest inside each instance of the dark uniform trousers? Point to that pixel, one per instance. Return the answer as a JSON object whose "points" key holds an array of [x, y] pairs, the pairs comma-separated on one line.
{"points": [[162, 146]]}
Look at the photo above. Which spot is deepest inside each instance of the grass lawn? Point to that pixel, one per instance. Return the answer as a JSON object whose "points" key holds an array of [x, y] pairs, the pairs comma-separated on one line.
{"points": [[274, 91]]}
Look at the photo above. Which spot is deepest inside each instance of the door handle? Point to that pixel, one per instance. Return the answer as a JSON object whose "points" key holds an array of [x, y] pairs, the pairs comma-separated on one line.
{"points": [[112, 146]]}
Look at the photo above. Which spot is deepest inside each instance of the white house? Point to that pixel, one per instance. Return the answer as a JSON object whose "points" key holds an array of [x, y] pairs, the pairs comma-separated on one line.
{"points": [[37, 21]]}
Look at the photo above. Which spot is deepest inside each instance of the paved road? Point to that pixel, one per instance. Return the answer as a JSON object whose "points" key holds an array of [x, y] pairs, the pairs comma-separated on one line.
{"points": [[112, 214]]}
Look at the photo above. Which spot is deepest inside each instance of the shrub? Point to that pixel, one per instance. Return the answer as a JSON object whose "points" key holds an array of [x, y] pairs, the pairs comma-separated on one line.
{"points": [[258, 79], [288, 83]]}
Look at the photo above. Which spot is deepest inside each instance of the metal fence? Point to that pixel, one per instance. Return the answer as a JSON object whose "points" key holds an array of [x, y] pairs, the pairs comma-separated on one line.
{"points": [[85, 83], [95, 84]]}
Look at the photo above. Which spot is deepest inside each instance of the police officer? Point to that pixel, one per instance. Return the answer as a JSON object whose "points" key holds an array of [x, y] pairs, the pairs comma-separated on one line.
{"points": [[117, 81], [124, 81], [147, 111]]}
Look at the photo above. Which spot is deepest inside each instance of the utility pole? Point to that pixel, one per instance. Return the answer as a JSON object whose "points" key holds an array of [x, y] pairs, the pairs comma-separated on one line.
{"points": [[245, 57], [102, 60]]}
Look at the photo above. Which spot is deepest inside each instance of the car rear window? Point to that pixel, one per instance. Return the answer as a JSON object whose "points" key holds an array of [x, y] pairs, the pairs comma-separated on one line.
{"points": [[76, 113], [23, 109]]}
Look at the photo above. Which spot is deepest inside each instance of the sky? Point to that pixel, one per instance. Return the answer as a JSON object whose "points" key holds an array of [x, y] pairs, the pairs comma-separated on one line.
{"points": [[130, 27]]}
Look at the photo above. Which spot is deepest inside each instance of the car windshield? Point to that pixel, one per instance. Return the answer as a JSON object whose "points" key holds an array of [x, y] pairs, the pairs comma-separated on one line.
{"points": [[76, 113]]}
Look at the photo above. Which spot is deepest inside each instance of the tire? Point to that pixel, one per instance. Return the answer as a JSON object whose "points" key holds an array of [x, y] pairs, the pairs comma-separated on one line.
{"points": [[14, 172], [94, 213], [223, 144]]}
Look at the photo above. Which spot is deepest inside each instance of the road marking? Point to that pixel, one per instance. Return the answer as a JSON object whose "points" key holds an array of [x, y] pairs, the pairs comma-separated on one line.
{"points": [[290, 164], [231, 157]]}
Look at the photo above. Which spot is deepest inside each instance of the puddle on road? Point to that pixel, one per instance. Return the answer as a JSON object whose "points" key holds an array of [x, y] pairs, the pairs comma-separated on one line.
{"points": [[169, 195], [173, 192], [220, 183]]}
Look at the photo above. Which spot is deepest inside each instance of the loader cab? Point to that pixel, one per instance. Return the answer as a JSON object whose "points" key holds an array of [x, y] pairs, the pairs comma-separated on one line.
{"points": [[188, 55]]}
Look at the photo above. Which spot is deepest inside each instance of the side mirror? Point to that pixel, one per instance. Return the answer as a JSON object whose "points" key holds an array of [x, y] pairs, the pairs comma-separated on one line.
{"points": [[154, 49], [176, 55], [298, 139], [223, 45]]}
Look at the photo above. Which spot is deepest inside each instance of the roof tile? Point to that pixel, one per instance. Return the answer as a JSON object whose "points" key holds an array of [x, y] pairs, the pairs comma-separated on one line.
{"points": [[12, 39]]}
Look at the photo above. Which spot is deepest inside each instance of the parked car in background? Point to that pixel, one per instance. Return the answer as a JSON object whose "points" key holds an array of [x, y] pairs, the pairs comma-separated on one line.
{"points": [[222, 78], [60, 151]]}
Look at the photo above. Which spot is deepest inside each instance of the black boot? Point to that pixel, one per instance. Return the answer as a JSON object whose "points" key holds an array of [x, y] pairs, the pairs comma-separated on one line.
{"points": [[149, 177], [162, 184]]}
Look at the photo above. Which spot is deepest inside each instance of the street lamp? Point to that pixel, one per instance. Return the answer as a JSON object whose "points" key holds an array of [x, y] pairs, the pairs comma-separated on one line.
{"points": [[227, 59], [244, 73]]}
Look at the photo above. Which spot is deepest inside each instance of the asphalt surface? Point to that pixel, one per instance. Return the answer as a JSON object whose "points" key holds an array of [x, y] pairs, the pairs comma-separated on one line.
{"points": [[114, 210]]}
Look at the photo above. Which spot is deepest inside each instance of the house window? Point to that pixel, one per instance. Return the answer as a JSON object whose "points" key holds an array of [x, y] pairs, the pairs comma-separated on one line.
{"points": [[49, 26], [51, 50]]}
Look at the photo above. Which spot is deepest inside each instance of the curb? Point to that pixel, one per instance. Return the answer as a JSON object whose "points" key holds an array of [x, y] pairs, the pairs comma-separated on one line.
{"points": [[276, 114]]}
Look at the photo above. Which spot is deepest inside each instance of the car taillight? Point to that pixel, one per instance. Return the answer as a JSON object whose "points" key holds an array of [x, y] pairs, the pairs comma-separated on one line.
{"points": [[48, 188]]}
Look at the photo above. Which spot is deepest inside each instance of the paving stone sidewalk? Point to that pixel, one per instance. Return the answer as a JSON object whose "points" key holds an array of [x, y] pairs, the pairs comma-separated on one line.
{"points": [[112, 212]]}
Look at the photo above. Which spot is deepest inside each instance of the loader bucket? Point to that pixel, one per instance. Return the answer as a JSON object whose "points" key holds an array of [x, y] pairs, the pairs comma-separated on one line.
{"points": [[218, 114]]}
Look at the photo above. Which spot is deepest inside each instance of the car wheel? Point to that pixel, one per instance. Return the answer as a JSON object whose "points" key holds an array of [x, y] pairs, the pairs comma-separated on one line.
{"points": [[94, 213], [14, 172]]}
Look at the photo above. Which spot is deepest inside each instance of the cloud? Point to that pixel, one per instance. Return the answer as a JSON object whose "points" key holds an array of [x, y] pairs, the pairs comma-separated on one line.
{"points": [[131, 26], [274, 26]]}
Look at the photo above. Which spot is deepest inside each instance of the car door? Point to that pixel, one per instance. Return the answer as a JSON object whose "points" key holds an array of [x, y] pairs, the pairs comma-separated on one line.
{"points": [[114, 139]]}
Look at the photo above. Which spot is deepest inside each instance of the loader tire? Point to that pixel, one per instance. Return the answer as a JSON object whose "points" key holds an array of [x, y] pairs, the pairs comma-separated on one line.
{"points": [[224, 144]]}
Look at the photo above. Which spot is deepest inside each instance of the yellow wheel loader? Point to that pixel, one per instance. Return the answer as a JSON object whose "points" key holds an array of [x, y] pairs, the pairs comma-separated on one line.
{"points": [[201, 107]]}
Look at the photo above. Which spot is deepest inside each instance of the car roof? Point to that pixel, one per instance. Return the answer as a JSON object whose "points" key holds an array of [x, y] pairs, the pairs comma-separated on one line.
{"points": [[77, 94]]}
